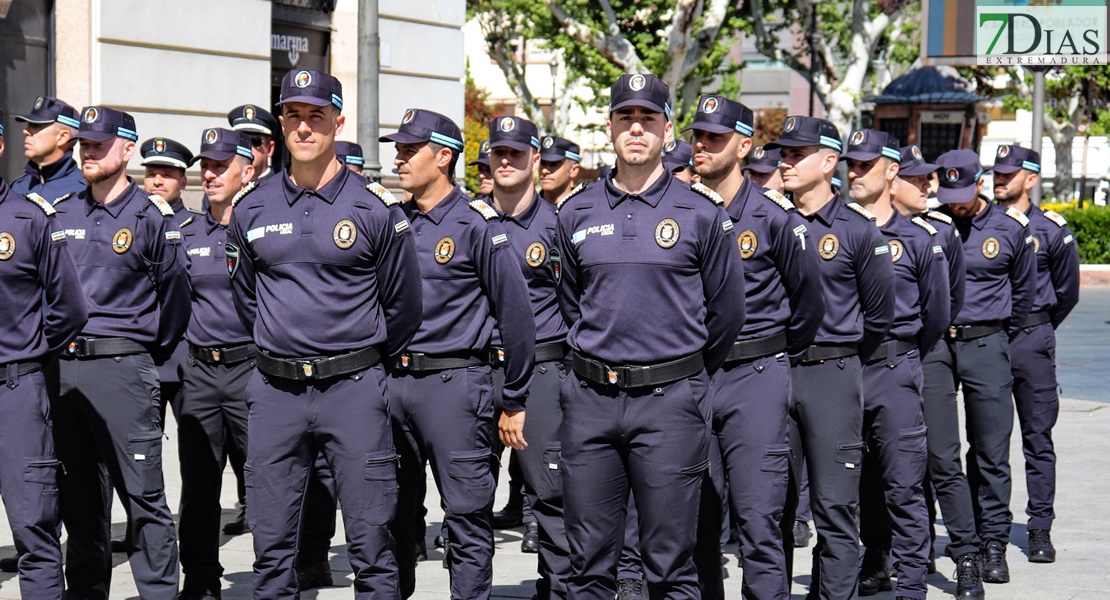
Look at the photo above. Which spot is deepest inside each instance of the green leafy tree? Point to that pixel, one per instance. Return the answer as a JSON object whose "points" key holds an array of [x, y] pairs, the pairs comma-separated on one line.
{"points": [[476, 121]]}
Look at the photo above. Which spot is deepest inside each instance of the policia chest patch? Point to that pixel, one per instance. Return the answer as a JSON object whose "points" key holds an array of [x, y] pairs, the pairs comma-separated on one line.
{"points": [[829, 246], [535, 254], [748, 243], [445, 250], [345, 234], [666, 233], [121, 241], [7, 245], [896, 250], [991, 247]]}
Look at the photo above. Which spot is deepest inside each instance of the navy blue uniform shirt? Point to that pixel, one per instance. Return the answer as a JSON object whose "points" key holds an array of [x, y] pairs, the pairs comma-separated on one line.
{"points": [[52, 181], [322, 272], [953, 246], [214, 322], [36, 271], [1057, 264], [1001, 268], [781, 279], [472, 285], [857, 275], [649, 278], [921, 305], [132, 267], [532, 236]]}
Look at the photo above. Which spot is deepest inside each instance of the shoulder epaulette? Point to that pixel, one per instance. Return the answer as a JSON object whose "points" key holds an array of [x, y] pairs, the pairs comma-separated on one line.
{"points": [[1055, 217], [383, 194], [41, 203], [779, 199], [243, 192], [1018, 216], [577, 190], [483, 209], [936, 215], [163, 206], [922, 223], [61, 199], [704, 190], [186, 222], [861, 210]]}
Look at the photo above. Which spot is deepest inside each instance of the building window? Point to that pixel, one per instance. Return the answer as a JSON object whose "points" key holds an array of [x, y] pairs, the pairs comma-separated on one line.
{"points": [[899, 128]]}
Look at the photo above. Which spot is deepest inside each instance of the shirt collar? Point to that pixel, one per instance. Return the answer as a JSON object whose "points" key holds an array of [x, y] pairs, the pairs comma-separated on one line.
{"points": [[650, 196], [524, 219], [116, 207], [829, 211], [439, 211], [328, 193], [736, 208], [893, 225], [210, 224], [3, 189], [54, 170]]}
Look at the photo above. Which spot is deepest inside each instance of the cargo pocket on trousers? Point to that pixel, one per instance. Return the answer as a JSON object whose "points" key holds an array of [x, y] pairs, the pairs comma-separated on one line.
{"points": [[144, 475], [850, 458], [469, 487], [775, 468], [248, 488], [40, 492], [550, 484], [380, 496], [913, 444]]}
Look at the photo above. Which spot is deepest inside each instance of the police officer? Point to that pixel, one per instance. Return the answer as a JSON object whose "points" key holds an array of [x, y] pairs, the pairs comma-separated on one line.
{"points": [[212, 410], [559, 158], [894, 420], [641, 249], [751, 393], [762, 168], [43, 310], [1033, 347], [945, 473], [515, 153], [261, 126], [350, 154], [827, 414], [106, 395], [679, 160], [442, 393], [485, 177], [325, 279], [50, 136], [1000, 291]]}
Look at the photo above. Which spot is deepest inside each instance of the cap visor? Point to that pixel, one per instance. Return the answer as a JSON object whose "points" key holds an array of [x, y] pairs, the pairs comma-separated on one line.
{"points": [[402, 138], [167, 162], [514, 144], [956, 195], [38, 120], [860, 155], [761, 168], [710, 127], [216, 155], [251, 127], [1006, 169], [95, 136], [480, 161], [789, 143], [552, 155], [671, 165], [637, 102], [313, 100], [919, 170]]}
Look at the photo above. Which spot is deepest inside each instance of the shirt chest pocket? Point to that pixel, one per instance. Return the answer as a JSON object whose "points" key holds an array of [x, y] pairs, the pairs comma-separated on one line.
{"points": [[445, 254]]}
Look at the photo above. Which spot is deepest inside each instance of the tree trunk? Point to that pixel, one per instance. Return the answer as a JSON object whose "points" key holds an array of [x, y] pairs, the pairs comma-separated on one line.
{"points": [[1063, 137]]}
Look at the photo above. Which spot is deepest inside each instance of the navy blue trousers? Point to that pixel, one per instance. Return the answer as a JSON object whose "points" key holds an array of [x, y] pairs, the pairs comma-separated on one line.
{"points": [[1033, 356]]}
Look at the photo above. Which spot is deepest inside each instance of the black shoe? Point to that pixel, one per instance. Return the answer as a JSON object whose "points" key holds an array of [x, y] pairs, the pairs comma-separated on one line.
{"points": [[1041, 549], [194, 591], [10, 564], [121, 547], [969, 584], [995, 569], [507, 519], [531, 542], [630, 589], [874, 576], [441, 539], [237, 526], [314, 575], [801, 534], [421, 553], [931, 566]]}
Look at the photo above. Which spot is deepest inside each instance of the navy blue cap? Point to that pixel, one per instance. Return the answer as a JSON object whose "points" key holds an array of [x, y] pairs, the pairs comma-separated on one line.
{"points": [[164, 151], [483, 155], [836, 182], [913, 162], [350, 153], [513, 132], [959, 172], [1011, 159], [426, 126], [764, 160], [554, 147], [100, 124], [643, 90], [678, 154], [51, 110], [798, 132], [718, 114], [249, 117], [311, 87], [869, 144], [221, 144]]}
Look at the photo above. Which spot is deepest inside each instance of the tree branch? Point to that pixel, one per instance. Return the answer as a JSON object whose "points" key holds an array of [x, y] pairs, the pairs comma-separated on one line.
{"points": [[514, 72], [613, 46]]}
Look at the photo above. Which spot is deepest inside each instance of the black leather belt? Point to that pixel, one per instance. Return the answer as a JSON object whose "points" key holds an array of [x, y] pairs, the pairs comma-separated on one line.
{"points": [[758, 348], [418, 362], [1038, 318], [544, 353], [631, 376], [816, 354], [23, 368], [975, 331], [84, 347], [889, 350], [228, 355], [302, 369]]}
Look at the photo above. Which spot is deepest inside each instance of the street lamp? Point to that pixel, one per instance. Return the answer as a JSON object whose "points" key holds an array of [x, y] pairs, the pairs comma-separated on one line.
{"points": [[554, 64]]}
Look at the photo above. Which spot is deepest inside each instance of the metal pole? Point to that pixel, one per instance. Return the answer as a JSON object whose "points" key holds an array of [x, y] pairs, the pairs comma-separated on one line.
{"points": [[369, 56], [1038, 125], [812, 54]]}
